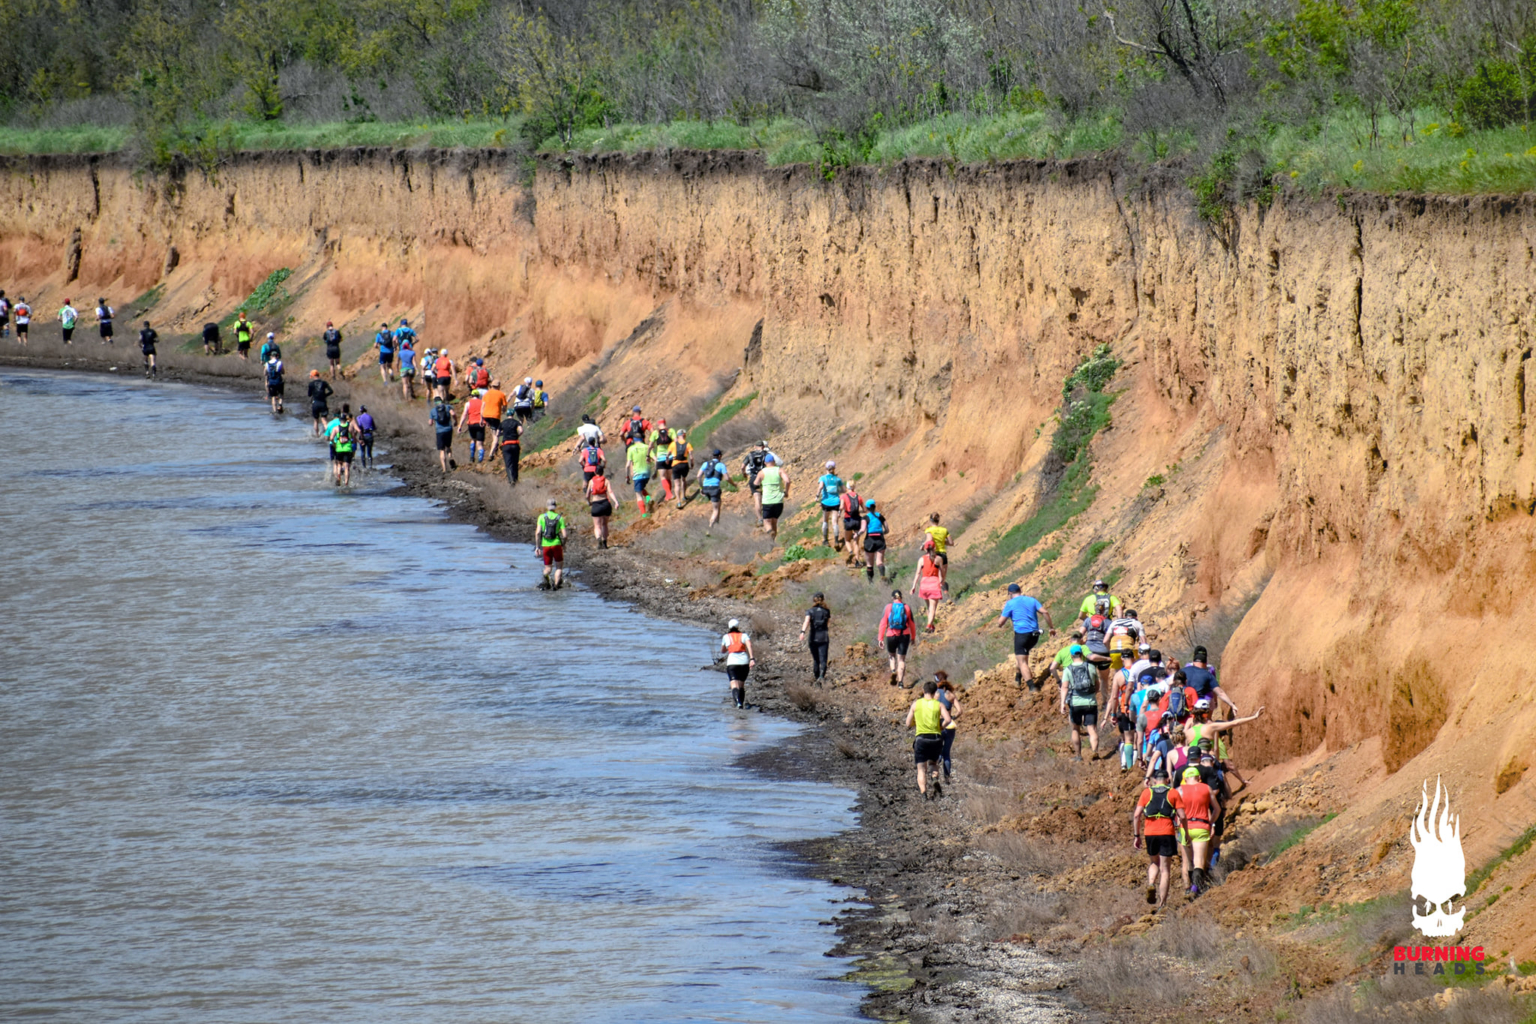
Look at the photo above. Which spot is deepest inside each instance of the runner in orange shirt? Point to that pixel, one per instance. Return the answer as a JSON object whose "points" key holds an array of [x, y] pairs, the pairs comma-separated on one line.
{"points": [[1159, 813]]}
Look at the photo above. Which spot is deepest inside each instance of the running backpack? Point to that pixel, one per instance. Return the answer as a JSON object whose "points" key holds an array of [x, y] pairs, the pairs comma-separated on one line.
{"points": [[549, 528], [523, 394], [441, 416], [663, 438], [342, 443], [482, 378], [274, 373], [711, 474], [1084, 681], [852, 503], [897, 620], [876, 525], [756, 460], [1102, 605], [592, 458], [1158, 805], [1176, 704], [734, 643]]}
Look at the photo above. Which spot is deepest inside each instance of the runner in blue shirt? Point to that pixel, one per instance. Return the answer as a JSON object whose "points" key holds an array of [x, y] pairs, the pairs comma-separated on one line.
{"points": [[1024, 612], [830, 487]]}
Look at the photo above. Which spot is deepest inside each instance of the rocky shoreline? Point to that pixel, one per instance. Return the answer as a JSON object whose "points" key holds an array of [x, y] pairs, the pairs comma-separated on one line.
{"points": [[907, 857]]}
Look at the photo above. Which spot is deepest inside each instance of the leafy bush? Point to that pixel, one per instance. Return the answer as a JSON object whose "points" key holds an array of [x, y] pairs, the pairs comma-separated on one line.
{"points": [[795, 553], [1499, 92]]}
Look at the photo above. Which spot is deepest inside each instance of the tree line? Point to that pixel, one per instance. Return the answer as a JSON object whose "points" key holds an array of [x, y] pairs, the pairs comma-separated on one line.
{"points": [[1207, 70]]}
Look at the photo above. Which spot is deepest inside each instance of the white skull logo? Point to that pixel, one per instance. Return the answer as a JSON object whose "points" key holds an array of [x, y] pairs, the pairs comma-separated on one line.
{"points": [[1439, 867]]}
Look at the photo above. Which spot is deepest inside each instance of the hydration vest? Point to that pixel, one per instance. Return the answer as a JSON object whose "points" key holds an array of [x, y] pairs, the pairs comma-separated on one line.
{"points": [[896, 619], [342, 442], [711, 474]]}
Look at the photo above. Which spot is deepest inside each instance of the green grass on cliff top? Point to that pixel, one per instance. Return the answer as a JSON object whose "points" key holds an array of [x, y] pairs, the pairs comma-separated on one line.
{"points": [[247, 135], [1429, 154]]}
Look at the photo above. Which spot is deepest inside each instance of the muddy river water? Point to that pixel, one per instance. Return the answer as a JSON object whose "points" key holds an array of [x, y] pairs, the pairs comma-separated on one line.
{"points": [[269, 752]]}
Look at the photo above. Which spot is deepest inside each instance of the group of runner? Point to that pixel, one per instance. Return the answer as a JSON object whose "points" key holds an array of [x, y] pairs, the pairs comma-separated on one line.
{"points": [[21, 313], [1165, 714]]}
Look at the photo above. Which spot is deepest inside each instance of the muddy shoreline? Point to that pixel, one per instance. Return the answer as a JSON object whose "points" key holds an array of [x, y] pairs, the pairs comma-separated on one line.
{"points": [[905, 854]]}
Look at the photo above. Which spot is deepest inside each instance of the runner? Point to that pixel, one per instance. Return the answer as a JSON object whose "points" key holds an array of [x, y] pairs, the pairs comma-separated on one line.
{"points": [[511, 447], [928, 583], [23, 319], [639, 462], [1202, 729], [274, 372], [404, 335], [104, 317], [1199, 805], [1179, 699], [67, 316], [600, 497], [332, 339], [680, 454], [442, 373], [751, 465], [212, 342], [549, 544], [148, 338], [590, 433], [243, 333], [773, 489], [540, 400], [591, 458], [522, 401], [342, 434], [1100, 602], [408, 369], [634, 428], [1096, 644], [950, 698], [477, 376], [319, 406], [712, 477], [830, 490], [897, 631], [1080, 701], [739, 659], [384, 341], [1157, 816], [492, 404], [928, 720], [874, 541], [816, 631], [1064, 656], [1124, 634], [940, 536], [441, 418], [852, 507], [365, 428], [1122, 689], [1202, 679], [660, 441], [270, 348], [472, 420], [5, 315], [1024, 613]]}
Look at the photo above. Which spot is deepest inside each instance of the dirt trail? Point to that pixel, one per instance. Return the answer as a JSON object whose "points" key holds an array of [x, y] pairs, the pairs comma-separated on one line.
{"points": [[1317, 444]]}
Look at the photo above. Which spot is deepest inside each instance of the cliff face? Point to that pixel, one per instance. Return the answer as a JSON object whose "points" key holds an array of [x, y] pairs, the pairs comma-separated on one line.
{"points": [[1334, 388]]}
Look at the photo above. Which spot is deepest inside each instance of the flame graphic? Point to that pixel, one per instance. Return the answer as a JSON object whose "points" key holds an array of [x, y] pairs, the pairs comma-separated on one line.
{"points": [[1439, 866]]}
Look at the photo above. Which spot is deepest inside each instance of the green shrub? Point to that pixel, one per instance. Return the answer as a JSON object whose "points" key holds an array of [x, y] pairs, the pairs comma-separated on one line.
{"points": [[1499, 92], [795, 553]]}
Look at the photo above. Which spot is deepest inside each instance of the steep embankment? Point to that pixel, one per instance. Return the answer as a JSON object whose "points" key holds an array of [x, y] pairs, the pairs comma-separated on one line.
{"points": [[1332, 391]]}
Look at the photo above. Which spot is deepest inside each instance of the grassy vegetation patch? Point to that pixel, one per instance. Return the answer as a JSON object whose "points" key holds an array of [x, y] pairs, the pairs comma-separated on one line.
{"points": [[269, 297], [239, 135], [1515, 849], [700, 434]]}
